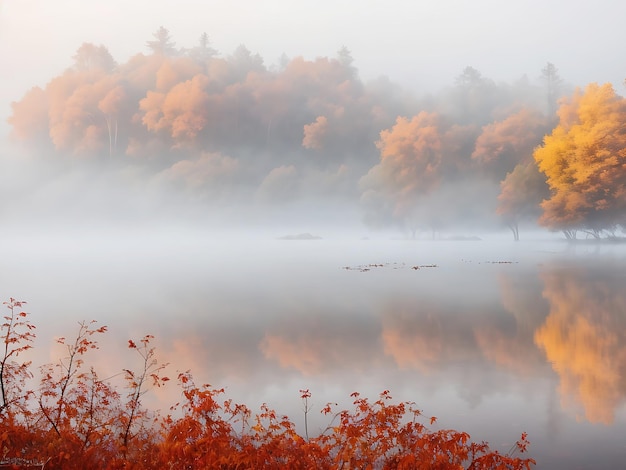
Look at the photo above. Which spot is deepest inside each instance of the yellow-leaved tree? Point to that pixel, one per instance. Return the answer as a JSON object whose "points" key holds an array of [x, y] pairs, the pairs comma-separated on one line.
{"points": [[584, 160]]}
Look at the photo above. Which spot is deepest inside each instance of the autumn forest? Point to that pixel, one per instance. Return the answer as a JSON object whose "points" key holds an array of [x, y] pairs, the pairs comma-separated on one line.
{"points": [[211, 128]]}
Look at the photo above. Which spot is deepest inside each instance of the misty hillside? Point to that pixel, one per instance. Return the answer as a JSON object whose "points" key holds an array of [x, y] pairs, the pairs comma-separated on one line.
{"points": [[191, 131]]}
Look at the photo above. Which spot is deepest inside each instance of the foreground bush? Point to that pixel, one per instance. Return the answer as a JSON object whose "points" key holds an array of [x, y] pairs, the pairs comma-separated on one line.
{"points": [[73, 419]]}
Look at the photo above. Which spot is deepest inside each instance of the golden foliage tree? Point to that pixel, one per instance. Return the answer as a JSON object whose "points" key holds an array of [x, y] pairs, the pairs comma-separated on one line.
{"points": [[584, 160]]}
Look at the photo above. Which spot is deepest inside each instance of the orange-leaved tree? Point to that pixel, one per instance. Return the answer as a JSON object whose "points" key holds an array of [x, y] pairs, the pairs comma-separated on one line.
{"points": [[417, 156]]}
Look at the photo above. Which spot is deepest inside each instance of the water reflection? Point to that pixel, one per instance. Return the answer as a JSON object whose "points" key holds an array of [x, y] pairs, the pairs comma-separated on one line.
{"points": [[317, 344], [497, 338], [584, 335]]}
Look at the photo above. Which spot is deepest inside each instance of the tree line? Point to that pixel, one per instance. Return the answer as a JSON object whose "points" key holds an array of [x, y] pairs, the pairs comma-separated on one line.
{"points": [[218, 128]]}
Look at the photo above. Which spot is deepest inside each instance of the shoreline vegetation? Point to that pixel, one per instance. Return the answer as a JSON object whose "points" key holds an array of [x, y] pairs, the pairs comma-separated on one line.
{"points": [[75, 419]]}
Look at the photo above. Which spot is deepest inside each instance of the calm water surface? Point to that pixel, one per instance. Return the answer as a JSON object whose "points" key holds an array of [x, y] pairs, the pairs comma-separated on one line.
{"points": [[492, 337]]}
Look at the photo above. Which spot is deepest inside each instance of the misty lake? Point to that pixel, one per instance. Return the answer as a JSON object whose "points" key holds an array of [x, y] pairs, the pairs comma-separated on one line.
{"points": [[493, 337]]}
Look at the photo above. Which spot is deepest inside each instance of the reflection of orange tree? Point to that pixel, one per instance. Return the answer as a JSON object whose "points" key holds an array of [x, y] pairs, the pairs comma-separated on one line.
{"points": [[427, 336], [313, 344], [77, 420], [415, 338], [415, 335], [583, 338], [482, 347]]}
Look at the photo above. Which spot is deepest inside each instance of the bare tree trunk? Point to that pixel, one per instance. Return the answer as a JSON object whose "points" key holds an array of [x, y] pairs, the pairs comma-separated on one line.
{"points": [[515, 229]]}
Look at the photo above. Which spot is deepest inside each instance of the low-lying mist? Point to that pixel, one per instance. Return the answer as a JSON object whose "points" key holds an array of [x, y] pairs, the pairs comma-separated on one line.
{"points": [[42, 196]]}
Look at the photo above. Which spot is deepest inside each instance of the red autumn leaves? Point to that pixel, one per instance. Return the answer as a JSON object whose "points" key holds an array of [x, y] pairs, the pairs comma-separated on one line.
{"points": [[74, 418]]}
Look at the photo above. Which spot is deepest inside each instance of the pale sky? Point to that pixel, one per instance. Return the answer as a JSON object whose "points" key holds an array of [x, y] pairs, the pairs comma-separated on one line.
{"points": [[419, 44]]}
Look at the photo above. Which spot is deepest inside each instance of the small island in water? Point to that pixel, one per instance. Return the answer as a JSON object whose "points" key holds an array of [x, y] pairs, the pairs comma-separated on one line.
{"points": [[300, 236]]}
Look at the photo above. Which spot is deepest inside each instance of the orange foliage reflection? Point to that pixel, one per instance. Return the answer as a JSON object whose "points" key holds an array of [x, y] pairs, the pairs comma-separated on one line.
{"points": [[323, 345], [415, 341], [583, 337]]}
